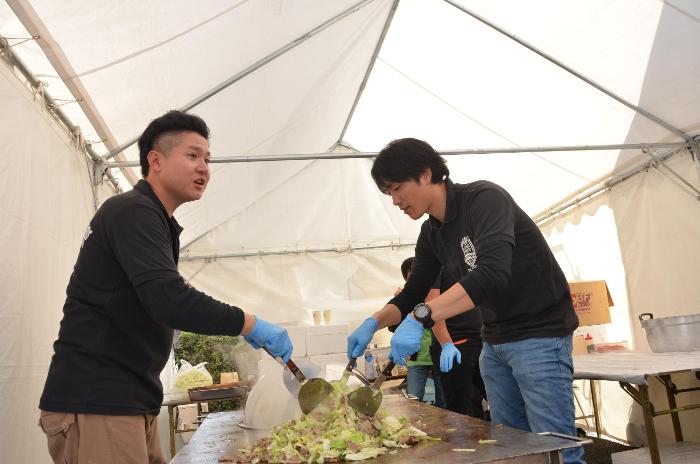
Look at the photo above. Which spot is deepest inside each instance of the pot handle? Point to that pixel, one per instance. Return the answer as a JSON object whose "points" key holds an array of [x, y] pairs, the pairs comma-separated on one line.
{"points": [[641, 316]]}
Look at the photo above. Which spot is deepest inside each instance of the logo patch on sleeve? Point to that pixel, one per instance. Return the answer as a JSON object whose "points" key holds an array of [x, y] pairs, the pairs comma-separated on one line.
{"points": [[87, 233], [469, 253]]}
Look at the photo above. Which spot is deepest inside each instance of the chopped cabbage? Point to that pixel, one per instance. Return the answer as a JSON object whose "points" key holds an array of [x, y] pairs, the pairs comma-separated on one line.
{"points": [[333, 432], [189, 376]]}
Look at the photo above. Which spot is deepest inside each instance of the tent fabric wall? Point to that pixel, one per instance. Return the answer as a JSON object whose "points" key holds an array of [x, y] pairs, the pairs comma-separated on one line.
{"points": [[45, 206], [659, 228], [286, 288], [640, 237]]}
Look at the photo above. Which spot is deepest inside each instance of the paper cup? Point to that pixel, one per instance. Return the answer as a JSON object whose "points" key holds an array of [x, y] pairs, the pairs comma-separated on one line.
{"points": [[327, 316], [317, 317]]}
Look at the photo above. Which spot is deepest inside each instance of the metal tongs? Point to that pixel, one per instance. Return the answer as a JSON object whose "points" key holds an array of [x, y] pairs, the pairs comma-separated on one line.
{"points": [[367, 399], [312, 391]]}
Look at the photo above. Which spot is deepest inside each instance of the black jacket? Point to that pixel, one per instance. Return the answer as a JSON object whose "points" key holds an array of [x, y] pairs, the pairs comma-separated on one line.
{"points": [[496, 252], [123, 301]]}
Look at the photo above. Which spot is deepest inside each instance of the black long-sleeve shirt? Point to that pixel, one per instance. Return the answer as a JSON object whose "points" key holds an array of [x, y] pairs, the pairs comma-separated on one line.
{"points": [[495, 251], [123, 301]]}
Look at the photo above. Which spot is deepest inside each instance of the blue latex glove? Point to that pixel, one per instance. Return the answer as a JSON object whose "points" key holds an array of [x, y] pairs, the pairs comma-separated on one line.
{"points": [[272, 337], [406, 340], [448, 355], [360, 338]]}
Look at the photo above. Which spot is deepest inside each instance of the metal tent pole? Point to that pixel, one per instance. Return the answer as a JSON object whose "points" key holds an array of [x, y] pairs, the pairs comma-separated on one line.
{"points": [[570, 70], [600, 187], [377, 48], [251, 68], [689, 189], [292, 251], [677, 179], [695, 152], [466, 151]]}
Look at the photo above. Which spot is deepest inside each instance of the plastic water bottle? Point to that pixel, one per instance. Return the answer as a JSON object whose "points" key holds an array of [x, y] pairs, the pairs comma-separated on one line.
{"points": [[370, 366], [590, 347]]}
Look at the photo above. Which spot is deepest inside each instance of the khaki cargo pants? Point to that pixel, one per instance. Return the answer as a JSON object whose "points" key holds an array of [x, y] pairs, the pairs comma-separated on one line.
{"points": [[101, 439]]}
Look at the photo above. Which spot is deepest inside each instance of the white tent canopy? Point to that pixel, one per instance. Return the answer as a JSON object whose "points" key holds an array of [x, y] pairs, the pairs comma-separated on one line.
{"points": [[587, 112]]}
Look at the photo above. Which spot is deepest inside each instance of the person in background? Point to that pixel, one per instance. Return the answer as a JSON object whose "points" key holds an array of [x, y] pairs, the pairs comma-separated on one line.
{"points": [[455, 350], [501, 263], [420, 368], [124, 298]]}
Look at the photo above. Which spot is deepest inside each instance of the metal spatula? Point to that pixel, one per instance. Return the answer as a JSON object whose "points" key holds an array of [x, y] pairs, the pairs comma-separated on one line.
{"points": [[312, 391], [368, 399], [348, 370]]}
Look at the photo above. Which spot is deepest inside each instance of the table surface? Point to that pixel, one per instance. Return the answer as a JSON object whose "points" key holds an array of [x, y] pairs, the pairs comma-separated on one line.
{"points": [[633, 367], [219, 438]]}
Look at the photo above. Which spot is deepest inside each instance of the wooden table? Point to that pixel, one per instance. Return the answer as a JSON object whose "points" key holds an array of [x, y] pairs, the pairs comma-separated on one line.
{"points": [[219, 438]]}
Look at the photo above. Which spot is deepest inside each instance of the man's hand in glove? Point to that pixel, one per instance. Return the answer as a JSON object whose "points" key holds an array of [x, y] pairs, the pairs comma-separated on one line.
{"points": [[360, 338], [406, 340], [448, 355], [272, 337]]}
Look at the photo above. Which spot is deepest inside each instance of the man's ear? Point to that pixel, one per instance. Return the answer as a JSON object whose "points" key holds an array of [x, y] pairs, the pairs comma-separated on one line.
{"points": [[153, 160], [426, 176]]}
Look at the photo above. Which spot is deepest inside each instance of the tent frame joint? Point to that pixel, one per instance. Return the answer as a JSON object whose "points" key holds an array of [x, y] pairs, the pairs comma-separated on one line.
{"points": [[694, 149], [656, 164], [99, 171]]}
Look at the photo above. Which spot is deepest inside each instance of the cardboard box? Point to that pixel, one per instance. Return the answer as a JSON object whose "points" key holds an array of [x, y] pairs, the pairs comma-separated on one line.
{"points": [[592, 301], [579, 345]]}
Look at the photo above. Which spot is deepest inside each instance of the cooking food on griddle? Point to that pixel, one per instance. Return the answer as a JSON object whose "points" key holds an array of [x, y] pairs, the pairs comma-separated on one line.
{"points": [[333, 432]]}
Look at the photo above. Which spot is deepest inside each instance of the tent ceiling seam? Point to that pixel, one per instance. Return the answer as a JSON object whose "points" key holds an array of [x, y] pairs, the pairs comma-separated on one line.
{"points": [[161, 43], [260, 198], [480, 124], [572, 71], [54, 53], [250, 69], [370, 67]]}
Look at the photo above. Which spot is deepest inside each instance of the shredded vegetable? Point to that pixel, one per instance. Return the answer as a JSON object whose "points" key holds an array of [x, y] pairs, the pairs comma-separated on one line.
{"points": [[189, 376], [333, 432]]}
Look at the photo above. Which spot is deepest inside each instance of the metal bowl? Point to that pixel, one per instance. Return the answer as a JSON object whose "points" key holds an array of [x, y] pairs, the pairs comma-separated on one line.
{"points": [[672, 334]]}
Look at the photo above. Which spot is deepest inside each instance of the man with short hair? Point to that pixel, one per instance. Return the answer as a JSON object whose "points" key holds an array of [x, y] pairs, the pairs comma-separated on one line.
{"points": [[500, 261], [124, 298]]}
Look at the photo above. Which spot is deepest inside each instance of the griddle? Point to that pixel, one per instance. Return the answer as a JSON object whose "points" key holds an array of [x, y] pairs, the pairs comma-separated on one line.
{"points": [[219, 438]]}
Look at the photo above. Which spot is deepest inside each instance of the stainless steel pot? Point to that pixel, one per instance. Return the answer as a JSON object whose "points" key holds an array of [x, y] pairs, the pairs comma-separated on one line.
{"points": [[677, 333]]}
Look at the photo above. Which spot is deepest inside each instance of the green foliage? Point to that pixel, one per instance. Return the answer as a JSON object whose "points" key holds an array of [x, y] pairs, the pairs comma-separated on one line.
{"points": [[195, 349]]}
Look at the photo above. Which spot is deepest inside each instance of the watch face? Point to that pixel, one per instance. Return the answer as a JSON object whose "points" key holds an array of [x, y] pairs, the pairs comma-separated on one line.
{"points": [[421, 312]]}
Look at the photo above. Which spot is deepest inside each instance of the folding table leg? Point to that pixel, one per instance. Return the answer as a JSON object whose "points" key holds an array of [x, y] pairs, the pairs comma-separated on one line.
{"points": [[641, 396], [596, 413], [670, 394], [648, 410]]}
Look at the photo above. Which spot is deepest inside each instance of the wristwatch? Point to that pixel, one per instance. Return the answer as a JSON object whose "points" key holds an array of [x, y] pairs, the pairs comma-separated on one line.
{"points": [[424, 315]]}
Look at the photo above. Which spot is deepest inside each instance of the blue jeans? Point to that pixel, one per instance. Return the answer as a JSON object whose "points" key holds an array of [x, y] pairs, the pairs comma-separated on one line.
{"points": [[415, 380], [529, 384]]}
